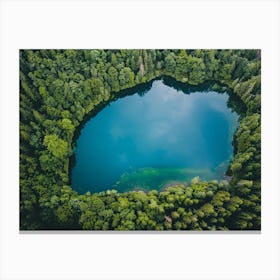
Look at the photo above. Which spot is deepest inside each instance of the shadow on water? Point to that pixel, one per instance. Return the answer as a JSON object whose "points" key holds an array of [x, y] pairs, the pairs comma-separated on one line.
{"points": [[188, 88], [234, 102]]}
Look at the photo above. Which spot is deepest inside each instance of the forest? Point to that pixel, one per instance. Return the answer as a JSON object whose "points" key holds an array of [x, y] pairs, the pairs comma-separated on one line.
{"points": [[59, 89]]}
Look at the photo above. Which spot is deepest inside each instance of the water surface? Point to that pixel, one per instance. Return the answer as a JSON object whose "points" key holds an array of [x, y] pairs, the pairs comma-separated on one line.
{"points": [[146, 141]]}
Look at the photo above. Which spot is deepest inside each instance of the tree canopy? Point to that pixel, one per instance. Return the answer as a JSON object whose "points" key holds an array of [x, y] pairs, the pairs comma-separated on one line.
{"points": [[59, 88]]}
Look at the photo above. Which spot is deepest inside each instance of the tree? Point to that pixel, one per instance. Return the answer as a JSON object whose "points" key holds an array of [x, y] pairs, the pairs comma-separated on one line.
{"points": [[113, 79], [55, 145], [126, 76], [67, 126], [170, 63]]}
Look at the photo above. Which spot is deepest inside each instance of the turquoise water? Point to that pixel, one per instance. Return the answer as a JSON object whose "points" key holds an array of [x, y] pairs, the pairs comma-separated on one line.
{"points": [[152, 139]]}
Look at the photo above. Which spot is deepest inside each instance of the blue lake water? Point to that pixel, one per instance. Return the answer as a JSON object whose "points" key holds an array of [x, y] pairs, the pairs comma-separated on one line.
{"points": [[146, 141]]}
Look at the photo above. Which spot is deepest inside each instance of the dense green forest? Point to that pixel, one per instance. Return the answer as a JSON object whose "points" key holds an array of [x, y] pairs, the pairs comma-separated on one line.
{"points": [[60, 88]]}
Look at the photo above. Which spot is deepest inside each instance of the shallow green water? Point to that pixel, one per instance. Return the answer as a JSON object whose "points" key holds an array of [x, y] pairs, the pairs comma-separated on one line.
{"points": [[149, 140]]}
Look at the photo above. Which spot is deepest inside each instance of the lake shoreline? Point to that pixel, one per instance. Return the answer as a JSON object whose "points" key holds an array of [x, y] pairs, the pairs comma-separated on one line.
{"points": [[153, 128]]}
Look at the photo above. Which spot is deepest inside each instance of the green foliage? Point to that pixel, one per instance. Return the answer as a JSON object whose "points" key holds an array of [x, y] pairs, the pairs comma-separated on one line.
{"points": [[57, 90], [246, 163], [56, 146]]}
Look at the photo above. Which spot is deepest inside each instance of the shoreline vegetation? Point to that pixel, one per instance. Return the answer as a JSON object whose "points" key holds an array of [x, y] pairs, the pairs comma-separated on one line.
{"points": [[60, 89]]}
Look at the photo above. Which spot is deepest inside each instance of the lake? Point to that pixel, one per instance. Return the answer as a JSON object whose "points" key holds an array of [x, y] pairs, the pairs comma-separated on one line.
{"points": [[156, 137]]}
